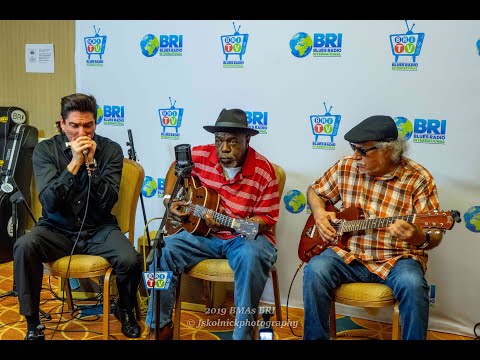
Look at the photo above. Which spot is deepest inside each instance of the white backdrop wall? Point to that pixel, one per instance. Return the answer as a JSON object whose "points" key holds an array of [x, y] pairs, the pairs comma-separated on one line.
{"points": [[281, 84]]}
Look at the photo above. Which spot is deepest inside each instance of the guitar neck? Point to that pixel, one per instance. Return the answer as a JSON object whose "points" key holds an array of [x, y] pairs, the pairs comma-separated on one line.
{"points": [[357, 225], [222, 219]]}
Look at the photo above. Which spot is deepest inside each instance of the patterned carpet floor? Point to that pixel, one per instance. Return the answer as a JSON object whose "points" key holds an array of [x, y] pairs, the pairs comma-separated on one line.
{"points": [[85, 322]]}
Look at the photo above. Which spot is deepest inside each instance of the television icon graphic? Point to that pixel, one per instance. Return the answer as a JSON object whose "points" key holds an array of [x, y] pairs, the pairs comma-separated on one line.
{"points": [[158, 280], [235, 44], [172, 117], [408, 44], [325, 125], [95, 45]]}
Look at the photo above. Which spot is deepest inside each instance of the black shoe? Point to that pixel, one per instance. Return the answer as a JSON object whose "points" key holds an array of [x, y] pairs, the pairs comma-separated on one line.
{"points": [[130, 327], [36, 334]]}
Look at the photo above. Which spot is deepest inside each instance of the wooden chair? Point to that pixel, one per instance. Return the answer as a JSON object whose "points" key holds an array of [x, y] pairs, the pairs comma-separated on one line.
{"points": [[218, 270], [90, 266], [366, 295]]}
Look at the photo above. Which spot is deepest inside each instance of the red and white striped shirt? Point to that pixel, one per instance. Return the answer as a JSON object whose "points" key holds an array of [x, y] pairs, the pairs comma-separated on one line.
{"points": [[252, 192], [410, 190]]}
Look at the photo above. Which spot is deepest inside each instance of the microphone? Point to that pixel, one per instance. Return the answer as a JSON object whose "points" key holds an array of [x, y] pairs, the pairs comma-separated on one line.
{"points": [[183, 168], [183, 160]]}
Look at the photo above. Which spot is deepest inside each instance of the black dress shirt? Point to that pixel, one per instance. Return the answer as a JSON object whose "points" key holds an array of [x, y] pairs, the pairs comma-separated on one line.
{"points": [[64, 196]]}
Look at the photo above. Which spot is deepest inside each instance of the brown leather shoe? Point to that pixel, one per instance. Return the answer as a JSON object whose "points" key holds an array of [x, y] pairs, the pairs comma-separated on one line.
{"points": [[164, 333]]}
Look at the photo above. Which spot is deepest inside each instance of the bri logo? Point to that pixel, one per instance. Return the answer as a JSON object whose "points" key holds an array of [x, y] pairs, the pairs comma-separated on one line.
{"points": [[164, 45], [325, 125], [111, 115], [258, 120], [235, 44], [95, 47], [170, 118], [428, 131], [323, 45], [404, 46]]}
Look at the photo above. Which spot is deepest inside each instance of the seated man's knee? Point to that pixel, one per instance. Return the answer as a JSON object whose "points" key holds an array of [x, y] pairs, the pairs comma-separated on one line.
{"points": [[24, 244], [320, 264]]}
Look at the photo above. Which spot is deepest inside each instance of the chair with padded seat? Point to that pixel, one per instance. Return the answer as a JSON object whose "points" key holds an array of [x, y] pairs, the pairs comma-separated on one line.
{"points": [[369, 296], [94, 267], [218, 270]]}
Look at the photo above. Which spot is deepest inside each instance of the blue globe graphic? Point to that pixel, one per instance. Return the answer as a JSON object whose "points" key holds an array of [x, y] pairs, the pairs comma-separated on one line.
{"points": [[149, 187], [404, 126], [472, 219], [301, 44], [149, 45], [295, 201], [99, 114]]}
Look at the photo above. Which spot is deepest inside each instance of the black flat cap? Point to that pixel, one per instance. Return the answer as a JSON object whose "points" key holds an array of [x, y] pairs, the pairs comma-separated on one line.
{"points": [[231, 121], [373, 128]]}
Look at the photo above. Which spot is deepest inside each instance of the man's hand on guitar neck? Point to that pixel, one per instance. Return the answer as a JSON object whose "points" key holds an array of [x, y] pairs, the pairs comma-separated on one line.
{"points": [[212, 224], [405, 231]]}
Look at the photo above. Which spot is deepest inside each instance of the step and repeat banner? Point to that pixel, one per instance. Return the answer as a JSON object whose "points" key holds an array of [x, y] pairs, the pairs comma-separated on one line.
{"points": [[303, 85]]}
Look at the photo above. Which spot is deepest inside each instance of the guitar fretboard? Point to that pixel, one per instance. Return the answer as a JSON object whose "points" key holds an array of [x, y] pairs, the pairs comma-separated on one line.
{"points": [[357, 225], [222, 219]]}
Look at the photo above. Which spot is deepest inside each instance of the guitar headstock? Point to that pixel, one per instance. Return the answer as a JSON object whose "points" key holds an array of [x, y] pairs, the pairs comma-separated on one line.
{"points": [[247, 228], [438, 219]]}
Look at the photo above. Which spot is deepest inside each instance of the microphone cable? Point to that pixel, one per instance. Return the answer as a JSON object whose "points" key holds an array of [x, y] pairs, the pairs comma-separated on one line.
{"points": [[288, 297], [70, 258]]}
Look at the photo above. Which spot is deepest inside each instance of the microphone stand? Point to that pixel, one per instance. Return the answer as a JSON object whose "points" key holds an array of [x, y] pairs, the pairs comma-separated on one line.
{"points": [[132, 155], [159, 243], [15, 199]]}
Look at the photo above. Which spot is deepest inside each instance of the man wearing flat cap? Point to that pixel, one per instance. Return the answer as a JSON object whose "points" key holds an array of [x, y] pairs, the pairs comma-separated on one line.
{"points": [[378, 179], [247, 187]]}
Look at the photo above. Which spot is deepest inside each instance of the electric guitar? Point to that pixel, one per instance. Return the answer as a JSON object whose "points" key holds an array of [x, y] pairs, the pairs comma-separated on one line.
{"points": [[353, 220], [205, 201]]}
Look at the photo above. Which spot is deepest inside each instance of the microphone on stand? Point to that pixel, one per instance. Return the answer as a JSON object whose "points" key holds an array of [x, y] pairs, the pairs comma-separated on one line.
{"points": [[183, 168]]}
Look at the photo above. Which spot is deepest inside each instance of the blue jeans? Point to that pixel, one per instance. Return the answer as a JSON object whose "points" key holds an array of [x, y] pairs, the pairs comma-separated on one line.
{"points": [[327, 271], [250, 260]]}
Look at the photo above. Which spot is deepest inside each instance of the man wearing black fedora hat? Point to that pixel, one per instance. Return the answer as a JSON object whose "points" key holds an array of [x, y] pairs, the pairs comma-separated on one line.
{"points": [[247, 188], [381, 181]]}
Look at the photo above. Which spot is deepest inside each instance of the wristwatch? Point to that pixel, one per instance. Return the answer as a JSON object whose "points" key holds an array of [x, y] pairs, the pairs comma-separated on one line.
{"points": [[426, 243]]}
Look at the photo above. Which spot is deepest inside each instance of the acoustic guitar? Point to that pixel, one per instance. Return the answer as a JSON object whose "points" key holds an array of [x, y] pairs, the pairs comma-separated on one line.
{"points": [[353, 220], [205, 201]]}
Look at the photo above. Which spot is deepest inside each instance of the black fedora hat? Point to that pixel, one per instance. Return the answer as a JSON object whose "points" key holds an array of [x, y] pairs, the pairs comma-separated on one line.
{"points": [[231, 121]]}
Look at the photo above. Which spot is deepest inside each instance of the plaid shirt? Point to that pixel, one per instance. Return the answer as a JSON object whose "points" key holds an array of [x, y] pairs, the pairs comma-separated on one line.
{"points": [[411, 189], [253, 191]]}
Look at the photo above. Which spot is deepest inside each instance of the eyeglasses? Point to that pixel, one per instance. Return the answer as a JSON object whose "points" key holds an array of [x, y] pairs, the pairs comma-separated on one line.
{"points": [[362, 151]]}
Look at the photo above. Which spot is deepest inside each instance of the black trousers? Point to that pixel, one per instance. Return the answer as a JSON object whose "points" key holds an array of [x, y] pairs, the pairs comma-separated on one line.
{"points": [[44, 244]]}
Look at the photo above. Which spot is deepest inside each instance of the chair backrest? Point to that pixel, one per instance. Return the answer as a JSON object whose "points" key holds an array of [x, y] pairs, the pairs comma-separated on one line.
{"points": [[125, 209], [281, 176]]}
